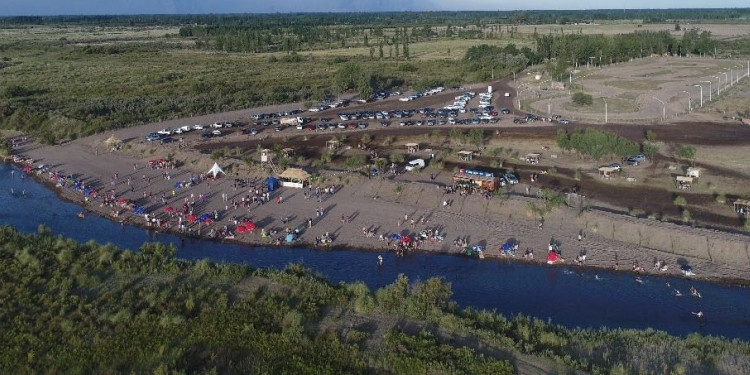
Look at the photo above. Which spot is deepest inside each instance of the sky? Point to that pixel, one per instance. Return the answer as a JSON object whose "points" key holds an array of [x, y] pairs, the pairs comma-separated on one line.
{"points": [[60, 7]]}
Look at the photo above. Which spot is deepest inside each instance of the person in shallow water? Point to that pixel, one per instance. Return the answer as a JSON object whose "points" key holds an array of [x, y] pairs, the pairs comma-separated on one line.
{"points": [[380, 260]]}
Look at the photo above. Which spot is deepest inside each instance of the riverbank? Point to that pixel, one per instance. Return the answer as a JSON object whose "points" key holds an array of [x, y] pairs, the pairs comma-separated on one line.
{"points": [[379, 206]]}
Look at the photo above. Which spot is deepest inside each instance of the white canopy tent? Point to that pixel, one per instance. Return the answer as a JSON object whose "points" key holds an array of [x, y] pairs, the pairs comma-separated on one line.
{"points": [[215, 170]]}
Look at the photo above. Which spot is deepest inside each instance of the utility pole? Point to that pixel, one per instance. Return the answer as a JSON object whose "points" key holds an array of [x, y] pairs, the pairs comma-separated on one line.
{"points": [[690, 99], [605, 110], [709, 89], [663, 110], [701, 87]]}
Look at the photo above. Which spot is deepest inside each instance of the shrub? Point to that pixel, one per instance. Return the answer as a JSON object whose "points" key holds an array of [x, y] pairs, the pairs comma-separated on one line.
{"points": [[580, 98], [680, 201]]}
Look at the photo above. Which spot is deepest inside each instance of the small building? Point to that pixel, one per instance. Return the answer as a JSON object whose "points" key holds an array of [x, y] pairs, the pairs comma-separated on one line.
{"points": [[333, 144], [476, 179], [465, 155], [294, 177], [742, 207], [412, 147], [694, 172], [607, 172], [287, 152], [683, 182], [533, 158], [266, 156]]}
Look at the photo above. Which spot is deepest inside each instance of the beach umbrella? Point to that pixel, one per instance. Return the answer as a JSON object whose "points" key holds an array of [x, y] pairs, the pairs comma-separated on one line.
{"points": [[552, 257], [168, 209], [177, 185], [290, 238], [192, 218], [406, 239], [396, 236], [241, 229], [122, 201]]}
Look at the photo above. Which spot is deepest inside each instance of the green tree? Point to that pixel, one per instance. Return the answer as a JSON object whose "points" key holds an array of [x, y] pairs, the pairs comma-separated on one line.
{"points": [[581, 98], [476, 137]]}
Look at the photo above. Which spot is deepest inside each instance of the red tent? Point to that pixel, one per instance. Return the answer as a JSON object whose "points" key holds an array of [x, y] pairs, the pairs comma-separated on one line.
{"points": [[552, 257], [241, 229], [406, 239], [249, 225], [168, 209], [192, 218], [122, 201]]}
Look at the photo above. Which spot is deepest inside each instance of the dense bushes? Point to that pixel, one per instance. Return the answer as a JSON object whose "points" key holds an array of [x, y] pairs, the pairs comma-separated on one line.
{"points": [[595, 143], [86, 308]]}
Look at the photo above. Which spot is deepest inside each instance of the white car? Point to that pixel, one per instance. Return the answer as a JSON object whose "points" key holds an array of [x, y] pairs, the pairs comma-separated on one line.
{"points": [[415, 164], [186, 128], [197, 127], [216, 132], [177, 131], [166, 131], [217, 125]]}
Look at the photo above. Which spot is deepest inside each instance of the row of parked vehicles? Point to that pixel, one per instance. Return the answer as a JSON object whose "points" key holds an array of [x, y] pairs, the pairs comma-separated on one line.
{"points": [[164, 135]]}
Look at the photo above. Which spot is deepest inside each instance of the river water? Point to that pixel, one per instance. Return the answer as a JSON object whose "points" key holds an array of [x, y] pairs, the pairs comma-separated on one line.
{"points": [[573, 298]]}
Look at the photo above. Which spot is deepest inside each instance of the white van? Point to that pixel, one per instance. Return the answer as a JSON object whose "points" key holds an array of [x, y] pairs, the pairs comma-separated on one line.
{"points": [[415, 164]]}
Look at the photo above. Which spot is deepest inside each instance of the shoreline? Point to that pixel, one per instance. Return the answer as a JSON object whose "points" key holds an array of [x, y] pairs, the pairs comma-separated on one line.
{"points": [[67, 195]]}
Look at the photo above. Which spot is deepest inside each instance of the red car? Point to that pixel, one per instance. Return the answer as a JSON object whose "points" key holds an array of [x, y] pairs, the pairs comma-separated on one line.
{"points": [[310, 127]]}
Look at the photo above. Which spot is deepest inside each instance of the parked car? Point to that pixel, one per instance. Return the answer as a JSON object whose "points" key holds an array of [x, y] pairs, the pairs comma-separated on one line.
{"points": [[511, 178], [415, 164], [216, 133], [278, 128], [166, 140], [616, 166], [166, 131], [153, 137], [206, 134], [197, 127], [564, 121], [505, 111], [632, 161], [362, 125]]}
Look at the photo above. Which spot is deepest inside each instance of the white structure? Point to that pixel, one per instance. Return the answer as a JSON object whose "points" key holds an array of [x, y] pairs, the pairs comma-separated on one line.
{"points": [[489, 89], [215, 170]]}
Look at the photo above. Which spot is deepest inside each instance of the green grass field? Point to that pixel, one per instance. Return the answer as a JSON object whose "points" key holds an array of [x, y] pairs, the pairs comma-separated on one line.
{"points": [[77, 81]]}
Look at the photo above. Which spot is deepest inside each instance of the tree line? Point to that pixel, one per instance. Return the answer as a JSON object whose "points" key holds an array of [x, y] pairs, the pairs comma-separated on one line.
{"points": [[529, 17], [575, 49]]}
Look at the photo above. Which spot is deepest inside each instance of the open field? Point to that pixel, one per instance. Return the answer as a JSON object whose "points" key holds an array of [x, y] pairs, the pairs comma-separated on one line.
{"points": [[631, 88], [721, 31]]}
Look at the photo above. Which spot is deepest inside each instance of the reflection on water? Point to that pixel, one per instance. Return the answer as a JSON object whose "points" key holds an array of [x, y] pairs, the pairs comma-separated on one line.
{"points": [[571, 297]]}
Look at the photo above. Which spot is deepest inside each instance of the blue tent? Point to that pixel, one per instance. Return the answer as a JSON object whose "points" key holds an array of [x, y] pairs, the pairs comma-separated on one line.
{"points": [[396, 236], [139, 210], [177, 185], [290, 238], [507, 246], [272, 183]]}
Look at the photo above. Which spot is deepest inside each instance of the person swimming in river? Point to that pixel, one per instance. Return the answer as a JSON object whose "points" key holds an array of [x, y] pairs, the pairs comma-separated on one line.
{"points": [[677, 293], [699, 314], [380, 260], [81, 215], [694, 292]]}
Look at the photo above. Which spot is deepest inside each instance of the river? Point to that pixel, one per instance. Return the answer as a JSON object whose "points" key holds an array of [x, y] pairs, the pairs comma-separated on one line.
{"points": [[571, 297]]}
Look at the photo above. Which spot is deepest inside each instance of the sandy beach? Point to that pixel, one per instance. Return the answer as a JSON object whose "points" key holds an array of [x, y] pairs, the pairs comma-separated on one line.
{"points": [[360, 205]]}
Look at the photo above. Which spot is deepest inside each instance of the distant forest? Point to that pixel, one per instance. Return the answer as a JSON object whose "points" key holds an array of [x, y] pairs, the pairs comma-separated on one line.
{"points": [[394, 19]]}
